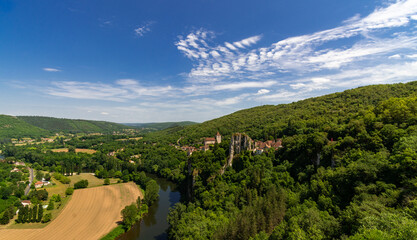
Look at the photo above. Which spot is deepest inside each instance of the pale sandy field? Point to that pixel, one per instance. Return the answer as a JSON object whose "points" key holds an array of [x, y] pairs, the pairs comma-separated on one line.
{"points": [[90, 214], [77, 150]]}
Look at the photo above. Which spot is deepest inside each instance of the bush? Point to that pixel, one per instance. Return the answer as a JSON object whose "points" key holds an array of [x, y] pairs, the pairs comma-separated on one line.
{"points": [[69, 191], [46, 218], [47, 177], [5, 219], [81, 184], [56, 198], [51, 205], [106, 181]]}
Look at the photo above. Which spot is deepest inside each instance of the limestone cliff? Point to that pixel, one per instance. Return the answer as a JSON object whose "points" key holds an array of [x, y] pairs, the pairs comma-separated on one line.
{"points": [[239, 143]]}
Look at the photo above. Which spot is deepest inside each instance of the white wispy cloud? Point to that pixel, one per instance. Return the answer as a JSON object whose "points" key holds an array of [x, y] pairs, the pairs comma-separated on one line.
{"points": [[247, 42], [376, 37], [380, 74], [51, 69], [377, 48], [142, 30], [122, 90]]}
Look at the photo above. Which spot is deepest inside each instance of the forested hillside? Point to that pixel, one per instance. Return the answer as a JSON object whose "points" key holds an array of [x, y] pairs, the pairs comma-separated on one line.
{"points": [[269, 121], [12, 127], [346, 171], [71, 125]]}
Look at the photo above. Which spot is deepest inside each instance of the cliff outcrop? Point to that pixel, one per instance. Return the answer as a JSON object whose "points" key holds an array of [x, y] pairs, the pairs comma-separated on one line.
{"points": [[239, 142]]}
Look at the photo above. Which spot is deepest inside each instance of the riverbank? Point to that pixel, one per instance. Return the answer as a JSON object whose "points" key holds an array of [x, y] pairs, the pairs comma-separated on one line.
{"points": [[154, 224]]}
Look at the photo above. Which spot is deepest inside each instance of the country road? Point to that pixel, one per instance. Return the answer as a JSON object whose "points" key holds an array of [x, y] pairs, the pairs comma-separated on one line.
{"points": [[30, 181]]}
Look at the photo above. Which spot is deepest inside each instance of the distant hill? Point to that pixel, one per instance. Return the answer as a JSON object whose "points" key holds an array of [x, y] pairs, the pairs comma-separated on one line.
{"points": [[271, 121], [13, 127], [72, 126], [159, 126]]}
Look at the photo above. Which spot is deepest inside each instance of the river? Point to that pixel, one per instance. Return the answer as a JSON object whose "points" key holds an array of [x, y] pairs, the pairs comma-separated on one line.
{"points": [[155, 224]]}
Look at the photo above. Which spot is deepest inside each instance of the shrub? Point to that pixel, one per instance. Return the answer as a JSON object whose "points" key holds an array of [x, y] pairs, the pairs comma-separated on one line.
{"points": [[81, 184], [69, 191], [56, 198], [5, 219], [106, 181], [46, 218], [51, 205]]}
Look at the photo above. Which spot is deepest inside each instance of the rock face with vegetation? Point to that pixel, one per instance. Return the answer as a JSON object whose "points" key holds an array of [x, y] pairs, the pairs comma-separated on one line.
{"points": [[239, 142]]}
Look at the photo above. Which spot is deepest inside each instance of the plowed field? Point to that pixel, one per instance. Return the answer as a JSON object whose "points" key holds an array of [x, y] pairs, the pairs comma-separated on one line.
{"points": [[91, 213]]}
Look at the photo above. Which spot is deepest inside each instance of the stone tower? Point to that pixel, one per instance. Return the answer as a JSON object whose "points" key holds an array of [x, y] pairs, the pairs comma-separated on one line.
{"points": [[218, 138]]}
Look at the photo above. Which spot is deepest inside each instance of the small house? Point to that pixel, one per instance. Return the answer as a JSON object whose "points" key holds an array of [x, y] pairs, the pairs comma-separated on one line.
{"points": [[209, 141], [38, 184]]}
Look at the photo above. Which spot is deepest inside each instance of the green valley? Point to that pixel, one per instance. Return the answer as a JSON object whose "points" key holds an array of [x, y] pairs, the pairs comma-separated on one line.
{"points": [[339, 166]]}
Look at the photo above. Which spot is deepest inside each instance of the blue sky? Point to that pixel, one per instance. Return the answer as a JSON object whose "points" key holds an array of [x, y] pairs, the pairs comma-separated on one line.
{"points": [[153, 61]]}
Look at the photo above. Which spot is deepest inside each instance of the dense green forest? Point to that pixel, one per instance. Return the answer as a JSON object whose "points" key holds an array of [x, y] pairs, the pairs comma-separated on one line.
{"points": [[12, 127], [72, 126], [35, 127], [346, 169]]}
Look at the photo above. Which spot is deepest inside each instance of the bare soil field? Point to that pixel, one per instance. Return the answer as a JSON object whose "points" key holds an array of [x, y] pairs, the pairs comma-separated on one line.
{"points": [[77, 150], [89, 151], [91, 213], [125, 139]]}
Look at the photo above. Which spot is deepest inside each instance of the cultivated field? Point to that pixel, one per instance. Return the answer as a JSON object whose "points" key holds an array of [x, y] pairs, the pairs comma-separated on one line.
{"points": [[91, 213], [77, 150]]}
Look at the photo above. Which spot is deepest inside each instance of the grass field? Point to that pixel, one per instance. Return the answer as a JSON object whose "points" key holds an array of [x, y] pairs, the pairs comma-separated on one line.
{"points": [[90, 214], [93, 181]]}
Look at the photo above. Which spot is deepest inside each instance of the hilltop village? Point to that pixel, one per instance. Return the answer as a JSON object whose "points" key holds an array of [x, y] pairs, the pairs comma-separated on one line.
{"points": [[245, 143]]}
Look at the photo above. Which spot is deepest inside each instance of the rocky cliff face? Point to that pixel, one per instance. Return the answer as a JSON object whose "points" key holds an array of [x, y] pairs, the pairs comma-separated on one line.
{"points": [[239, 143]]}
